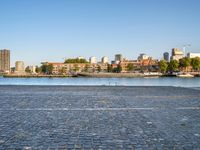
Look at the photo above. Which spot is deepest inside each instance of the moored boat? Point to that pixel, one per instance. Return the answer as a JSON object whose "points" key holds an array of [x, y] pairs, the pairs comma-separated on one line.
{"points": [[185, 75], [152, 74]]}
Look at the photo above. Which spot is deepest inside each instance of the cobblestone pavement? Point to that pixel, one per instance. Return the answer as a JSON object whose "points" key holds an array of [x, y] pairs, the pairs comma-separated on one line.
{"points": [[82, 117]]}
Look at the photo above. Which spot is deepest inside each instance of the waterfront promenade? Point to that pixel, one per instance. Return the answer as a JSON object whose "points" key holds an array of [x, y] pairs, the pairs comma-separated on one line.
{"points": [[99, 117]]}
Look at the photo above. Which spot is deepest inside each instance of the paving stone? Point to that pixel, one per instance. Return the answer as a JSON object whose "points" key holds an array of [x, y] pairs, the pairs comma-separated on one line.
{"points": [[99, 117]]}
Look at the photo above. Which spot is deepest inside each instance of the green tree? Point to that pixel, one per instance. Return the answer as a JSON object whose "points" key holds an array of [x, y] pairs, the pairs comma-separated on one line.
{"points": [[99, 68], [163, 66], [48, 69], [87, 66], [27, 70], [75, 60], [195, 63], [76, 68], [173, 65], [118, 69], [109, 68], [44, 68], [62, 70], [184, 62], [130, 67], [38, 69]]}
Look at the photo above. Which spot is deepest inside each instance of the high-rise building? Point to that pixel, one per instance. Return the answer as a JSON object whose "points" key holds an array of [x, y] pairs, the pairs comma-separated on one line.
{"points": [[19, 66], [105, 60], [93, 60], [4, 60], [166, 56], [118, 57], [177, 54]]}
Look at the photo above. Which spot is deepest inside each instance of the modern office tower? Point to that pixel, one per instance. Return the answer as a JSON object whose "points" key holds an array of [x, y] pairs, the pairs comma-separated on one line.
{"points": [[19, 67], [93, 60], [118, 57], [5, 60], [177, 54], [193, 55], [166, 56], [105, 60]]}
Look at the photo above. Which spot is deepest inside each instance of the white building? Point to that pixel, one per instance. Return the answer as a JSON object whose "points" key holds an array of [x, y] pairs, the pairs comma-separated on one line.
{"points": [[193, 55], [143, 57], [105, 60], [177, 54], [93, 60], [19, 67]]}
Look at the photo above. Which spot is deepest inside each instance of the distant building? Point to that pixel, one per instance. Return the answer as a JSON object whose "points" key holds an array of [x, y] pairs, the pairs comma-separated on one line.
{"points": [[166, 56], [193, 55], [32, 69], [125, 65], [143, 57], [177, 54], [65, 68], [93, 60], [19, 67], [149, 64], [113, 62], [5, 60], [118, 57], [105, 60]]}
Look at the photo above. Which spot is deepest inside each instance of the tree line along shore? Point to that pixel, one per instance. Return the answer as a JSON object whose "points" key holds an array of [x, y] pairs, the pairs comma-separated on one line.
{"points": [[81, 68]]}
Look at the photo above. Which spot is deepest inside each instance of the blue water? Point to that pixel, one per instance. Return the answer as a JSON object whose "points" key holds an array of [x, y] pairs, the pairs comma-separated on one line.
{"points": [[164, 81]]}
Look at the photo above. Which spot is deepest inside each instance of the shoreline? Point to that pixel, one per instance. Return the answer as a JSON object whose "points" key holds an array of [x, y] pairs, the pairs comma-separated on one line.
{"points": [[93, 75], [36, 76], [84, 75]]}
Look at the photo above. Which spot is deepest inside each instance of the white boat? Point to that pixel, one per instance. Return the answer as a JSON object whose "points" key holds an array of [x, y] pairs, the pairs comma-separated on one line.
{"points": [[152, 74], [185, 75]]}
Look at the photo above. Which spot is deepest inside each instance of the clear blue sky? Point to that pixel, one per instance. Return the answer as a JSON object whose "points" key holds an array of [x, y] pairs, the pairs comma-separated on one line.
{"points": [[49, 30]]}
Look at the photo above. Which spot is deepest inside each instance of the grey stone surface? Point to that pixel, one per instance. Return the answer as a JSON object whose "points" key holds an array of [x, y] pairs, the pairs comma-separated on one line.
{"points": [[86, 117]]}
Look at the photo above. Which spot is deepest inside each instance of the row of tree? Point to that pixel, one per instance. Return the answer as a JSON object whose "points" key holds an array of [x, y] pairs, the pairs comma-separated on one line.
{"points": [[181, 65], [46, 69], [75, 60]]}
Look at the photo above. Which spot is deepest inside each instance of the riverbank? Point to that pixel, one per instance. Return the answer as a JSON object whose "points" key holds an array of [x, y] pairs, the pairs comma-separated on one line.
{"points": [[90, 75], [35, 76], [94, 75], [111, 75]]}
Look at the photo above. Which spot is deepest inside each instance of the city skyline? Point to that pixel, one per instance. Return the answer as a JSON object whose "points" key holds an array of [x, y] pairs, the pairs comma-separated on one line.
{"points": [[99, 59], [38, 31]]}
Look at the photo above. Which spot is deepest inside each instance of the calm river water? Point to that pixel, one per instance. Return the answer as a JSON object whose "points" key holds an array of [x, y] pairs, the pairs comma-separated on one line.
{"points": [[163, 81]]}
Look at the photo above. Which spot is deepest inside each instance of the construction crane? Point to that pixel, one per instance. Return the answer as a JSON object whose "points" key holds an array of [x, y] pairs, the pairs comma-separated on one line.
{"points": [[184, 48]]}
